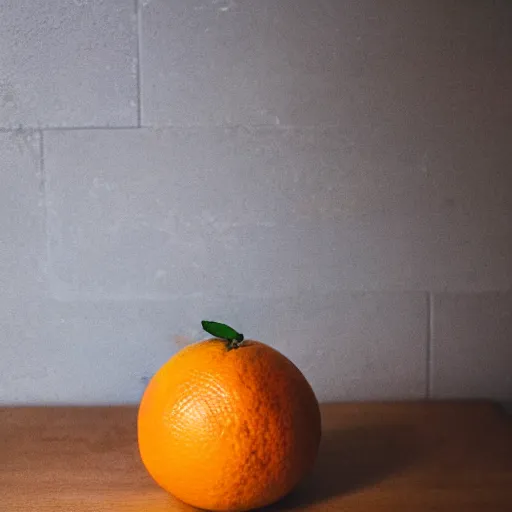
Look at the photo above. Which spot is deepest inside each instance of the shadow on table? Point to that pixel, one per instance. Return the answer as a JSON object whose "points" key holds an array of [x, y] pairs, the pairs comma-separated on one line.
{"points": [[354, 459]]}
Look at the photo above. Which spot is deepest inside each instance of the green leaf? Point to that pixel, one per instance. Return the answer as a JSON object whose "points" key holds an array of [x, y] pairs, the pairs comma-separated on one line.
{"points": [[222, 331]]}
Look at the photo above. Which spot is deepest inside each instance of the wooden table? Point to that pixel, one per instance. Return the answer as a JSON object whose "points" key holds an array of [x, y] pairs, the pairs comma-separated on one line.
{"points": [[451, 457]]}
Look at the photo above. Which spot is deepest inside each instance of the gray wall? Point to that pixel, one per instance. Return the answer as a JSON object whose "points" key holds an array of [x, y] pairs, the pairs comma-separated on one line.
{"points": [[331, 177]]}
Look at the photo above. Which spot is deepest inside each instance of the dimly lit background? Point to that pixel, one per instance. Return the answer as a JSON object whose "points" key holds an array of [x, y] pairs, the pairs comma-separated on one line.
{"points": [[330, 177]]}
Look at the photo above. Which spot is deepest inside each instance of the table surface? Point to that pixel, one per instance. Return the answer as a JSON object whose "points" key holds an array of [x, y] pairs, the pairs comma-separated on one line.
{"points": [[373, 457]]}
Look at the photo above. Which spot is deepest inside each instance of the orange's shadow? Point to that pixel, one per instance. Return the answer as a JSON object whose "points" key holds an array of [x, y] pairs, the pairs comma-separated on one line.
{"points": [[352, 459]]}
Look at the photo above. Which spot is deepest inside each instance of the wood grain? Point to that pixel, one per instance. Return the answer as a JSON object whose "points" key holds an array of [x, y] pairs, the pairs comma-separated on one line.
{"points": [[374, 457]]}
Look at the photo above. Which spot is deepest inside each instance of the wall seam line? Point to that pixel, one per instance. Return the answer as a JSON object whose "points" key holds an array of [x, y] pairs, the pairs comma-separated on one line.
{"points": [[138, 19], [430, 332]]}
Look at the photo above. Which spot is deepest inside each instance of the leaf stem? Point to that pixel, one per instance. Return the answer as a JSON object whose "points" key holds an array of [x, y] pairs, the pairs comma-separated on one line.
{"points": [[223, 331]]}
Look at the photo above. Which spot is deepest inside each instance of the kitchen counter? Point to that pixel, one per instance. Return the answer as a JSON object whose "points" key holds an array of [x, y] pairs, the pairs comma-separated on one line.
{"points": [[374, 457]]}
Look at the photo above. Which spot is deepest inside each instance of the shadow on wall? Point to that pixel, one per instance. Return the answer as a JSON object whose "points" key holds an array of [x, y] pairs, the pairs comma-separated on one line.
{"points": [[353, 459]]}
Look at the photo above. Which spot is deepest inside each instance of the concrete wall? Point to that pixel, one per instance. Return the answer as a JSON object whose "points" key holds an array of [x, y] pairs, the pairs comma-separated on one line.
{"points": [[331, 177]]}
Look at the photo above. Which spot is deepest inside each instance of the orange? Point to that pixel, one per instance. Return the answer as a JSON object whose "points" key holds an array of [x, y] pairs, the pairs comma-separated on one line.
{"points": [[228, 429]]}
